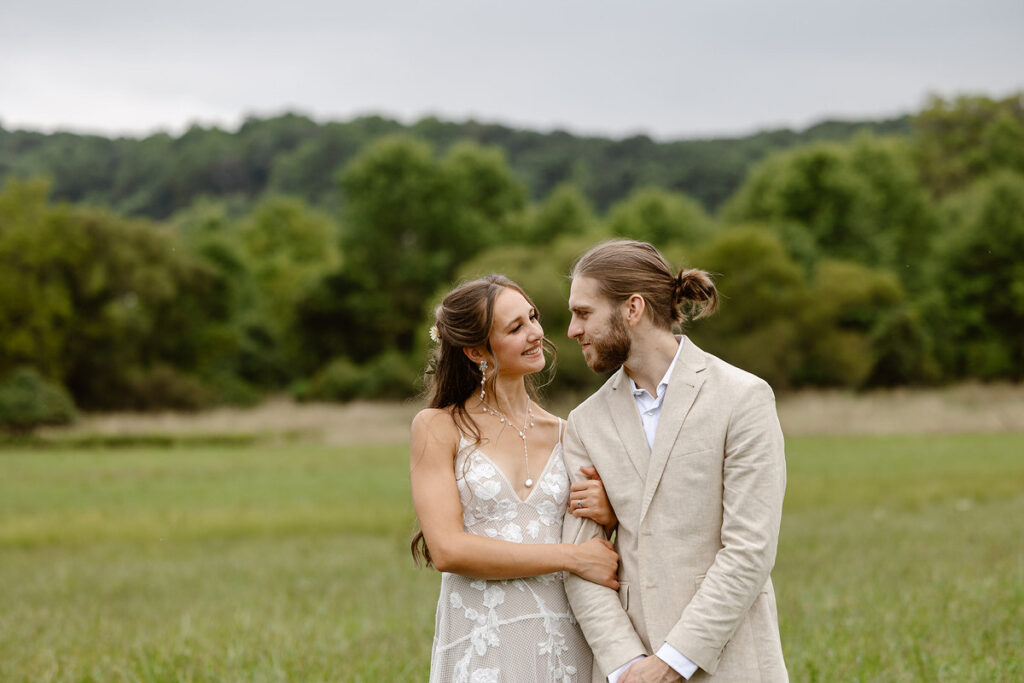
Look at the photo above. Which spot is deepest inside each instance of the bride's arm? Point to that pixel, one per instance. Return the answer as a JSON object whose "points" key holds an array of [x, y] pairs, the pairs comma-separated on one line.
{"points": [[435, 496]]}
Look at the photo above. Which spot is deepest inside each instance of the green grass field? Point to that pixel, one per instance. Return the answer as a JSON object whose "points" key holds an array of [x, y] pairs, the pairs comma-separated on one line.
{"points": [[901, 559]]}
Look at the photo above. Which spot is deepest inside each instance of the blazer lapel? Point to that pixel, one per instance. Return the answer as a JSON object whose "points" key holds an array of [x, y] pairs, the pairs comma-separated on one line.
{"points": [[626, 418], [683, 387]]}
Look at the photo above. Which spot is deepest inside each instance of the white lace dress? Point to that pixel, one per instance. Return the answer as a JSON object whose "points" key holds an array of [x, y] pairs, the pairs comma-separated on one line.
{"points": [[515, 630]]}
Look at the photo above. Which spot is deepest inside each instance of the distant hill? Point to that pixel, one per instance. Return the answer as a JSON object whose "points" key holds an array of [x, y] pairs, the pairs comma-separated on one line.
{"points": [[292, 154]]}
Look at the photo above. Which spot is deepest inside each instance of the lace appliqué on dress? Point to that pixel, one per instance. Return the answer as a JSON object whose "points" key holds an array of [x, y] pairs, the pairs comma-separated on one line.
{"points": [[516, 629]]}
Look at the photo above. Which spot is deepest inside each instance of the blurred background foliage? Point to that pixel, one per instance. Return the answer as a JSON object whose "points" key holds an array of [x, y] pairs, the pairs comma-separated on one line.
{"points": [[181, 272]]}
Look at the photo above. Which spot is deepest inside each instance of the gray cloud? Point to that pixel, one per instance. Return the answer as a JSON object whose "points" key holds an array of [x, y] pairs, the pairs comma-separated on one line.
{"points": [[668, 68]]}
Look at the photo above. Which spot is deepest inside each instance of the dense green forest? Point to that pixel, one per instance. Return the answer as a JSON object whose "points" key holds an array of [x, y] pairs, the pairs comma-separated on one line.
{"points": [[291, 255], [293, 155]]}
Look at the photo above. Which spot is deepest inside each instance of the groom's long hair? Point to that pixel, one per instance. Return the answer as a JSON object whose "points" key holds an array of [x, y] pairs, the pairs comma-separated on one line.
{"points": [[622, 268], [463, 320]]}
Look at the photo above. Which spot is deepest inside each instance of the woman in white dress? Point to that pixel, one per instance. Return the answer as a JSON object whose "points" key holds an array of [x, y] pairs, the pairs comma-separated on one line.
{"points": [[490, 489]]}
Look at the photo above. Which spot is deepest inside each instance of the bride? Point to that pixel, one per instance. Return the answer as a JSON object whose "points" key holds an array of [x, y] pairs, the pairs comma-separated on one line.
{"points": [[490, 489]]}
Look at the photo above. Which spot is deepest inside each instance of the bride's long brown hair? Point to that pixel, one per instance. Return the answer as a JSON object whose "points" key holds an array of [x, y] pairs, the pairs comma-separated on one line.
{"points": [[464, 320]]}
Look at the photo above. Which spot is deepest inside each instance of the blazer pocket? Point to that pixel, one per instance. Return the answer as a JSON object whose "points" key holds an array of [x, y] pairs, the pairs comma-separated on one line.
{"points": [[694, 451], [624, 595]]}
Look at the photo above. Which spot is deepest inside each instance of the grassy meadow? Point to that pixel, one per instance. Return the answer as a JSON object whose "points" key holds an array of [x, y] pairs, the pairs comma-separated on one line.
{"points": [[901, 559]]}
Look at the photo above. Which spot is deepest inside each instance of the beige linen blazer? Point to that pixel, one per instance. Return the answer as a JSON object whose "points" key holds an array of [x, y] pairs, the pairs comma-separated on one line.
{"points": [[698, 517]]}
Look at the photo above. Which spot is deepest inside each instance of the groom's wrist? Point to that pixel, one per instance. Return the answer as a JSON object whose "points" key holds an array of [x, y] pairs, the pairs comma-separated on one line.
{"points": [[614, 676], [676, 660]]}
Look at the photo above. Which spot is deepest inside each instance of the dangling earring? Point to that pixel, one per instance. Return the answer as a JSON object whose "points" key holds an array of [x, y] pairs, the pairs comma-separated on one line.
{"points": [[483, 378]]}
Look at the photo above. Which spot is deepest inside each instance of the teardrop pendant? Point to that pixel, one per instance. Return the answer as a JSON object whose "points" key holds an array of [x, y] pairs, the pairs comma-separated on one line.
{"points": [[521, 432]]}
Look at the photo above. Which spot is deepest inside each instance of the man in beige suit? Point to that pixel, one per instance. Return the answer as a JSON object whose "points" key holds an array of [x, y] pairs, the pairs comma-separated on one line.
{"points": [[691, 456]]}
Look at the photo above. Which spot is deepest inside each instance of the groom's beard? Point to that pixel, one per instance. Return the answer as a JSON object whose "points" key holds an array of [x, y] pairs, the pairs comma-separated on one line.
{"points": [[612, 349]]}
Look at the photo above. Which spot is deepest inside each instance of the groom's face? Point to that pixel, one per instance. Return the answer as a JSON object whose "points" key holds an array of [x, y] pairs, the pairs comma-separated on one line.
{"points": [[598, 326]]}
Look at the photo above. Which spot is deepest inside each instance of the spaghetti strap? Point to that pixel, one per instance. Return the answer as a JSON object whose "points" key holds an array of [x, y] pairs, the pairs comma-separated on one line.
{"points": [[531, 635], [561, 429]]}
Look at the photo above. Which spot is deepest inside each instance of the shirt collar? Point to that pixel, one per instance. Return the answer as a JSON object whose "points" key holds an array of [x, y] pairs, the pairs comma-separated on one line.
{"points": [[663, 384]]}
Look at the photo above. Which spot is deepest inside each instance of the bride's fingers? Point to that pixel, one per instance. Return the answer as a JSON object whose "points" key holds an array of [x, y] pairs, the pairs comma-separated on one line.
{"points": [[587, 497], [584, 499]]}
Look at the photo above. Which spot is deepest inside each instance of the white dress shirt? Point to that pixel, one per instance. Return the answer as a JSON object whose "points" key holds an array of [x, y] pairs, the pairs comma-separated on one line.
{"points": [[650, 411]]}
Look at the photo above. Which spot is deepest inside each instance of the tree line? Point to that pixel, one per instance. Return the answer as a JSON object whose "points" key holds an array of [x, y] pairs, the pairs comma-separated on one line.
{"points": [[291, 154], [875, 261]]}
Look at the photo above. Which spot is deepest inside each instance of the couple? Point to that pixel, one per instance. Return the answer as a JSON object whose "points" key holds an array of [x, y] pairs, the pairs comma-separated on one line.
{"points": [[679, 455]]}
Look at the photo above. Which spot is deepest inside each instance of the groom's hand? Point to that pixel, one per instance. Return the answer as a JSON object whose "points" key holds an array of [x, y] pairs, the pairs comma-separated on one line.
{"points": [[650, 670]]}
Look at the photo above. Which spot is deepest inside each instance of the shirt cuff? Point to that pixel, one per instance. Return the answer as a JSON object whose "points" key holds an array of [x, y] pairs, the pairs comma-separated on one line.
{"points": [[613, 677], [677, 660]]}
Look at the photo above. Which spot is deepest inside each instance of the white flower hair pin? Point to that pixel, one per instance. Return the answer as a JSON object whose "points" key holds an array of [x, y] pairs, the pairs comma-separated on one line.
{"points": [[435, 335]]}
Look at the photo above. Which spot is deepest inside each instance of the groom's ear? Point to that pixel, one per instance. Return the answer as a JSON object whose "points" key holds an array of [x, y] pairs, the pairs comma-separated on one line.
{"points": [[633, 309]]}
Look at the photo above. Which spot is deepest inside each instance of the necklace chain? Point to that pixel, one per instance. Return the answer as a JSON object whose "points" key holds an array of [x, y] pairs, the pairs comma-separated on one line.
{"points": [[522, 432]]}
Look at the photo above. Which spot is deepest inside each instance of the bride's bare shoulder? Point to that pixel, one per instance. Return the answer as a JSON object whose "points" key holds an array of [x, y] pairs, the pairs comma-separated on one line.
{"points": [[435, 425]]}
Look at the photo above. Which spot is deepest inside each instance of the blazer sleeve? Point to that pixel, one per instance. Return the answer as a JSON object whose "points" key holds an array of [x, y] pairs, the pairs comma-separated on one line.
{"points": [[754, 482], [605, 624]]}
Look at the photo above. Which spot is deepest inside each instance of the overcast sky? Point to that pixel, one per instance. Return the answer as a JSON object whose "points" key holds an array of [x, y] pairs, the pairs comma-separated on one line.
{"points": [[670, 68]]}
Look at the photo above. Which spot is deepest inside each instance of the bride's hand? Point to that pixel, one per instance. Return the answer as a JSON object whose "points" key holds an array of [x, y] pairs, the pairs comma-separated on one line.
{"points": [[597, 561], [588, 499]]}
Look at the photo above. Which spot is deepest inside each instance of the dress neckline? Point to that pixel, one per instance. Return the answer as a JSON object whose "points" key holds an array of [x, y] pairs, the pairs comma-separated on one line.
{"points": [[504, 477]]}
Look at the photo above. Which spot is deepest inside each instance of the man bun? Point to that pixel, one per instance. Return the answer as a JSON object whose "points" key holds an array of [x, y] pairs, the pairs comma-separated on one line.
{"points": [[623, 268], [696, 293]]}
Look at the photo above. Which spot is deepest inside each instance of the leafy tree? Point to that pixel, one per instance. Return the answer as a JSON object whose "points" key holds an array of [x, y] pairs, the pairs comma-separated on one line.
{"points": [[410, 220], [231, 348], [28, 401], [82, 166], [389, 375], [905, 221], [88, 297], [287, 249], [959, 140], [563, 212], [143, 182], [981, 280], [816, 187], [484, 192], [762, 289], [310, 170], [36, 307], [846, 304], [659, 217], [904, 350], [861, 202]]}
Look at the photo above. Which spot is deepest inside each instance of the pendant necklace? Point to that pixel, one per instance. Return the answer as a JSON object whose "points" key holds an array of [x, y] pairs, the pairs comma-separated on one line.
{"points": [[522, 433]]}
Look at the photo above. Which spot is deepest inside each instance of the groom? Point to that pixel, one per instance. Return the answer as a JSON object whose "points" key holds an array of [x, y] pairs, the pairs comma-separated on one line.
{"points": [[691, 455]]}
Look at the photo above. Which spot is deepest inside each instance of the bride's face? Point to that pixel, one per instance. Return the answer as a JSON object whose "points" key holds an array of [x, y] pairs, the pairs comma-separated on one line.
{"points": [[516, 335]]}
